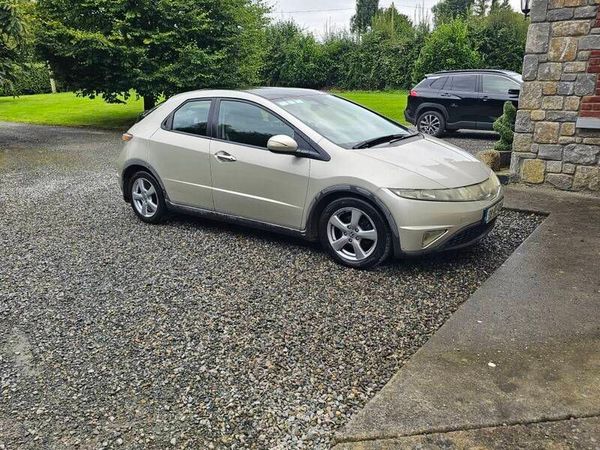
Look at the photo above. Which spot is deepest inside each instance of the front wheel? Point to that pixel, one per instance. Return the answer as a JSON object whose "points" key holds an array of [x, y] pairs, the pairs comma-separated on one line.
{"points": [[355, 233], [432, 123]]}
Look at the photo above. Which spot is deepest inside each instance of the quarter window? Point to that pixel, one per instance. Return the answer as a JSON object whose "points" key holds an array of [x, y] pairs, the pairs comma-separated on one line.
{"points": [[464, 83], [249, 124], [192, 117], [493, 84], [438, 83]]}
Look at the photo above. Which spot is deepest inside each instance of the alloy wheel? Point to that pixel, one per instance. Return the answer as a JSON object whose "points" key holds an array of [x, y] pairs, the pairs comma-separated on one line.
{"points": [[145, 198], [352, 234], [429, 124]]}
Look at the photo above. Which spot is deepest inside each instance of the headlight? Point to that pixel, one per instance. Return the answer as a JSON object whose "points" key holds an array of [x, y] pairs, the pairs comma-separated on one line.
{"points": [[482, 191]]}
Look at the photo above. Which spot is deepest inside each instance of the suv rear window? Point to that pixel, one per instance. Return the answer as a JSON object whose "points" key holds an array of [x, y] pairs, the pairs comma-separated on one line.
{"points": [[464, 83]]}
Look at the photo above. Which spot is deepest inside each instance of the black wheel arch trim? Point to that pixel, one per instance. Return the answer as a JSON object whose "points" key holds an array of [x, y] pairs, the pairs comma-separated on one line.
{"points": [[312, 219], [431, 106], [138, 162]]}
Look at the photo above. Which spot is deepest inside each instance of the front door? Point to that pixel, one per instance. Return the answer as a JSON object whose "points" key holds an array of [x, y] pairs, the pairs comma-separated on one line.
{"points": [[249, 181], [494, 93], [180, 153]]}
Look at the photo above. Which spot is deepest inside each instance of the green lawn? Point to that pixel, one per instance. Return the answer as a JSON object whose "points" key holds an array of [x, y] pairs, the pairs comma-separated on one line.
{"points": [[388, 103], [70, 110]]}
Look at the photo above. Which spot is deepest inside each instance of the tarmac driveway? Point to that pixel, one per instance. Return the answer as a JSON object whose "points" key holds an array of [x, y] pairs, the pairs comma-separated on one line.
{"points": [[192, 334]]}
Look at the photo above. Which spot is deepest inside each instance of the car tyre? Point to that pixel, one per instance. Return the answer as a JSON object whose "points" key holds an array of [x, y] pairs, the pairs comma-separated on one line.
{"points": [[355, 233], [146, 197], [431, 123]]}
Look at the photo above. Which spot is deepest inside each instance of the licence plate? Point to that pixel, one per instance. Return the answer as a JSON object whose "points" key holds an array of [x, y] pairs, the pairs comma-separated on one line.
{"points": [[492, 212]]}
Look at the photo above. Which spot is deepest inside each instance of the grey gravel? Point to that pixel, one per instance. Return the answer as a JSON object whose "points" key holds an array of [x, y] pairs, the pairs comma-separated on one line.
{"points": [[192, 334]]}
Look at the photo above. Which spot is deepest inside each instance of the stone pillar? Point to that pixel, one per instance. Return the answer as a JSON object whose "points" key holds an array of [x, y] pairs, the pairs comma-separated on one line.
{"points": [[557, 130]]}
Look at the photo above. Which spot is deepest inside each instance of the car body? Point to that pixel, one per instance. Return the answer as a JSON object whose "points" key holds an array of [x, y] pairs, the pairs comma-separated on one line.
{"points": [[276, 158], [461, 99]]}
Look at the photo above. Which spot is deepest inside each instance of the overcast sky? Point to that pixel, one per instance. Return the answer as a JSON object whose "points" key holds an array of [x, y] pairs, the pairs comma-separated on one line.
{"points": [[319, 15]]}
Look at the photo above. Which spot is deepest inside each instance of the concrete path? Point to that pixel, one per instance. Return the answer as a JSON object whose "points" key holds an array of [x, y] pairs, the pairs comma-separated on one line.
{"points": [[524, 349]]}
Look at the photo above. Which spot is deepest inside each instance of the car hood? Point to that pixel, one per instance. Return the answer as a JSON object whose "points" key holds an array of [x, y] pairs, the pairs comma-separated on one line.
{"points": [[444, 164]]}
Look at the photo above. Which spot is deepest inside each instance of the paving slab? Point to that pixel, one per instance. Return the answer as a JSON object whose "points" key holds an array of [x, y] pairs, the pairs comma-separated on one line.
{"points": [[524, 348], [571, 434]]}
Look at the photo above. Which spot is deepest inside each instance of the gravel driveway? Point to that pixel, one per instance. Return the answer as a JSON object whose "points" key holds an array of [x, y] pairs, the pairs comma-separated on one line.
{"points": [[191, 334]]}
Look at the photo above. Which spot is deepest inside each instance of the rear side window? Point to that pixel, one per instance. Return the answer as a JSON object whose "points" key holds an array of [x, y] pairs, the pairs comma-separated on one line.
{"points": [[432, 83], [192, 118], [438, 83], [464, 83], [494, 84], [249, 124]]}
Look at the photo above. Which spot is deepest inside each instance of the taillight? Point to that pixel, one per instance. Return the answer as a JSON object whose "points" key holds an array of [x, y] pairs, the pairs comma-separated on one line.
{"points": [[413, 93], [127, 137]]}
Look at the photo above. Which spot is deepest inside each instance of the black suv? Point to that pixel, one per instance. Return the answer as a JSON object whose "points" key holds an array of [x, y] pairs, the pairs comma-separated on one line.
{"points": [[450, 100]]}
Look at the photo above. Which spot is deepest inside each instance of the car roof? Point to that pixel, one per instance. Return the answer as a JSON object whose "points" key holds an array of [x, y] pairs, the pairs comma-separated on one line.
{"points": [[446, 72], [268, 93]]}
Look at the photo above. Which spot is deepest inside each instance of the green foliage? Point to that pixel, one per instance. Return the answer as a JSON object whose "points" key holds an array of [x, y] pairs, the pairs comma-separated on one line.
{"points": [[447, 47], [448, 10], [12, 41], [365, 10], [500, 38], [294, 58], [505, 127], [30, 78], [155, 47]]}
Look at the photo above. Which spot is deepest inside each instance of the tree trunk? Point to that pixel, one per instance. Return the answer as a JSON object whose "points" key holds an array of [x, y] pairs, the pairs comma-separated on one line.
{"points": [[149, 102]]}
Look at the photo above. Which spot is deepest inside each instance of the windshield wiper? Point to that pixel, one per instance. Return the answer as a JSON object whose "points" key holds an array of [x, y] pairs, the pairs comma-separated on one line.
{"points": [[382, 139]]}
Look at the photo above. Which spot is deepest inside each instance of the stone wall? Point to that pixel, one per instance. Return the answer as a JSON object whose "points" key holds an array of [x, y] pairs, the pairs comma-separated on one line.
{"points": [[557, 131]]}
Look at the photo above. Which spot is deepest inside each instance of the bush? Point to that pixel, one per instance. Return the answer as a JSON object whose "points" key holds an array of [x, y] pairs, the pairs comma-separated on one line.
{"points": [[447, 47], [505, 126], [31, 78]]}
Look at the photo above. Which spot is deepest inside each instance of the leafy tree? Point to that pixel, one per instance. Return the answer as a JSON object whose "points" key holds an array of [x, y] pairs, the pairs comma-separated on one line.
{"points": [[500, 39], [448, 10], [295, 58], [505, 127], [391, 23], [365, 10], [447, 47], [12, 41], [156, 47]]}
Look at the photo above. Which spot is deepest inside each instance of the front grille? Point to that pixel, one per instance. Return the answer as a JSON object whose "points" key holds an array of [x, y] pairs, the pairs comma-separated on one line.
{"points": [[469, 235]]}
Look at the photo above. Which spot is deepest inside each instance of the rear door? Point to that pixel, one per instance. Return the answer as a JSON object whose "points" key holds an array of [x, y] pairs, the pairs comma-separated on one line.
{"points": [[463, 100], [494, 92], [180, 154]]}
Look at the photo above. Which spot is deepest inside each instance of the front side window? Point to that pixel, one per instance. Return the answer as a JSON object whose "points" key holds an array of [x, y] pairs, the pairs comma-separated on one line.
{"points": [[339, 120], [192, 118], [494, 84], [464, 83], [249, 124]]}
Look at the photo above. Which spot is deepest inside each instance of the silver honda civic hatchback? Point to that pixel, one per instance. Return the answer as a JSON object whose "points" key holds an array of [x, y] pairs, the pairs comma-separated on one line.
{"points": [[311, 164]]}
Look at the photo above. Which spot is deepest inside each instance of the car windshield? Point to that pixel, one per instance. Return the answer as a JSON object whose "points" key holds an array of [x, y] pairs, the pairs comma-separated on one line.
{"points": [[340, 121]]}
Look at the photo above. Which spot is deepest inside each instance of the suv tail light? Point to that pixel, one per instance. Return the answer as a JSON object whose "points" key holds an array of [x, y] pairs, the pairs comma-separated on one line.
{"points": [[413, 93]]}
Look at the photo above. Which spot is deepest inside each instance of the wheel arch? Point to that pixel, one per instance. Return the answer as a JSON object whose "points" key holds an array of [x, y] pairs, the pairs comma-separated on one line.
{"points": [[133, 166], [326, 196], [424, 107]]}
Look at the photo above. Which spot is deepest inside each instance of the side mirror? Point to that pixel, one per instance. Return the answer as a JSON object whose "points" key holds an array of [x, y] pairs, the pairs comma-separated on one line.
{"points": [[282, 144], [514, 92]]}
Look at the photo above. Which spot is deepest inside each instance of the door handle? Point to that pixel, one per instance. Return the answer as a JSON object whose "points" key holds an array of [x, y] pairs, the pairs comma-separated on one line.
{"points": [[225, 157], [485, 98]]}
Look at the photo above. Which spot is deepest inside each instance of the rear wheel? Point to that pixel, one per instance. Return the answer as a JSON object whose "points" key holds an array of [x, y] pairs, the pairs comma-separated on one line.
{"points": [[432, 123], [355, 233], [147, 199]]}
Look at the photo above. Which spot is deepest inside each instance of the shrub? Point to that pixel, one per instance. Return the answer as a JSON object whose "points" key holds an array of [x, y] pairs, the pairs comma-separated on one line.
{"points": [[31, 78], [447, 47], [505, 126]]}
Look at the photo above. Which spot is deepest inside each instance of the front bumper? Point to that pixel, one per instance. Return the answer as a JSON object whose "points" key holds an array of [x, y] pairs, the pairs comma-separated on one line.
{"points": [[452, 224]]}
